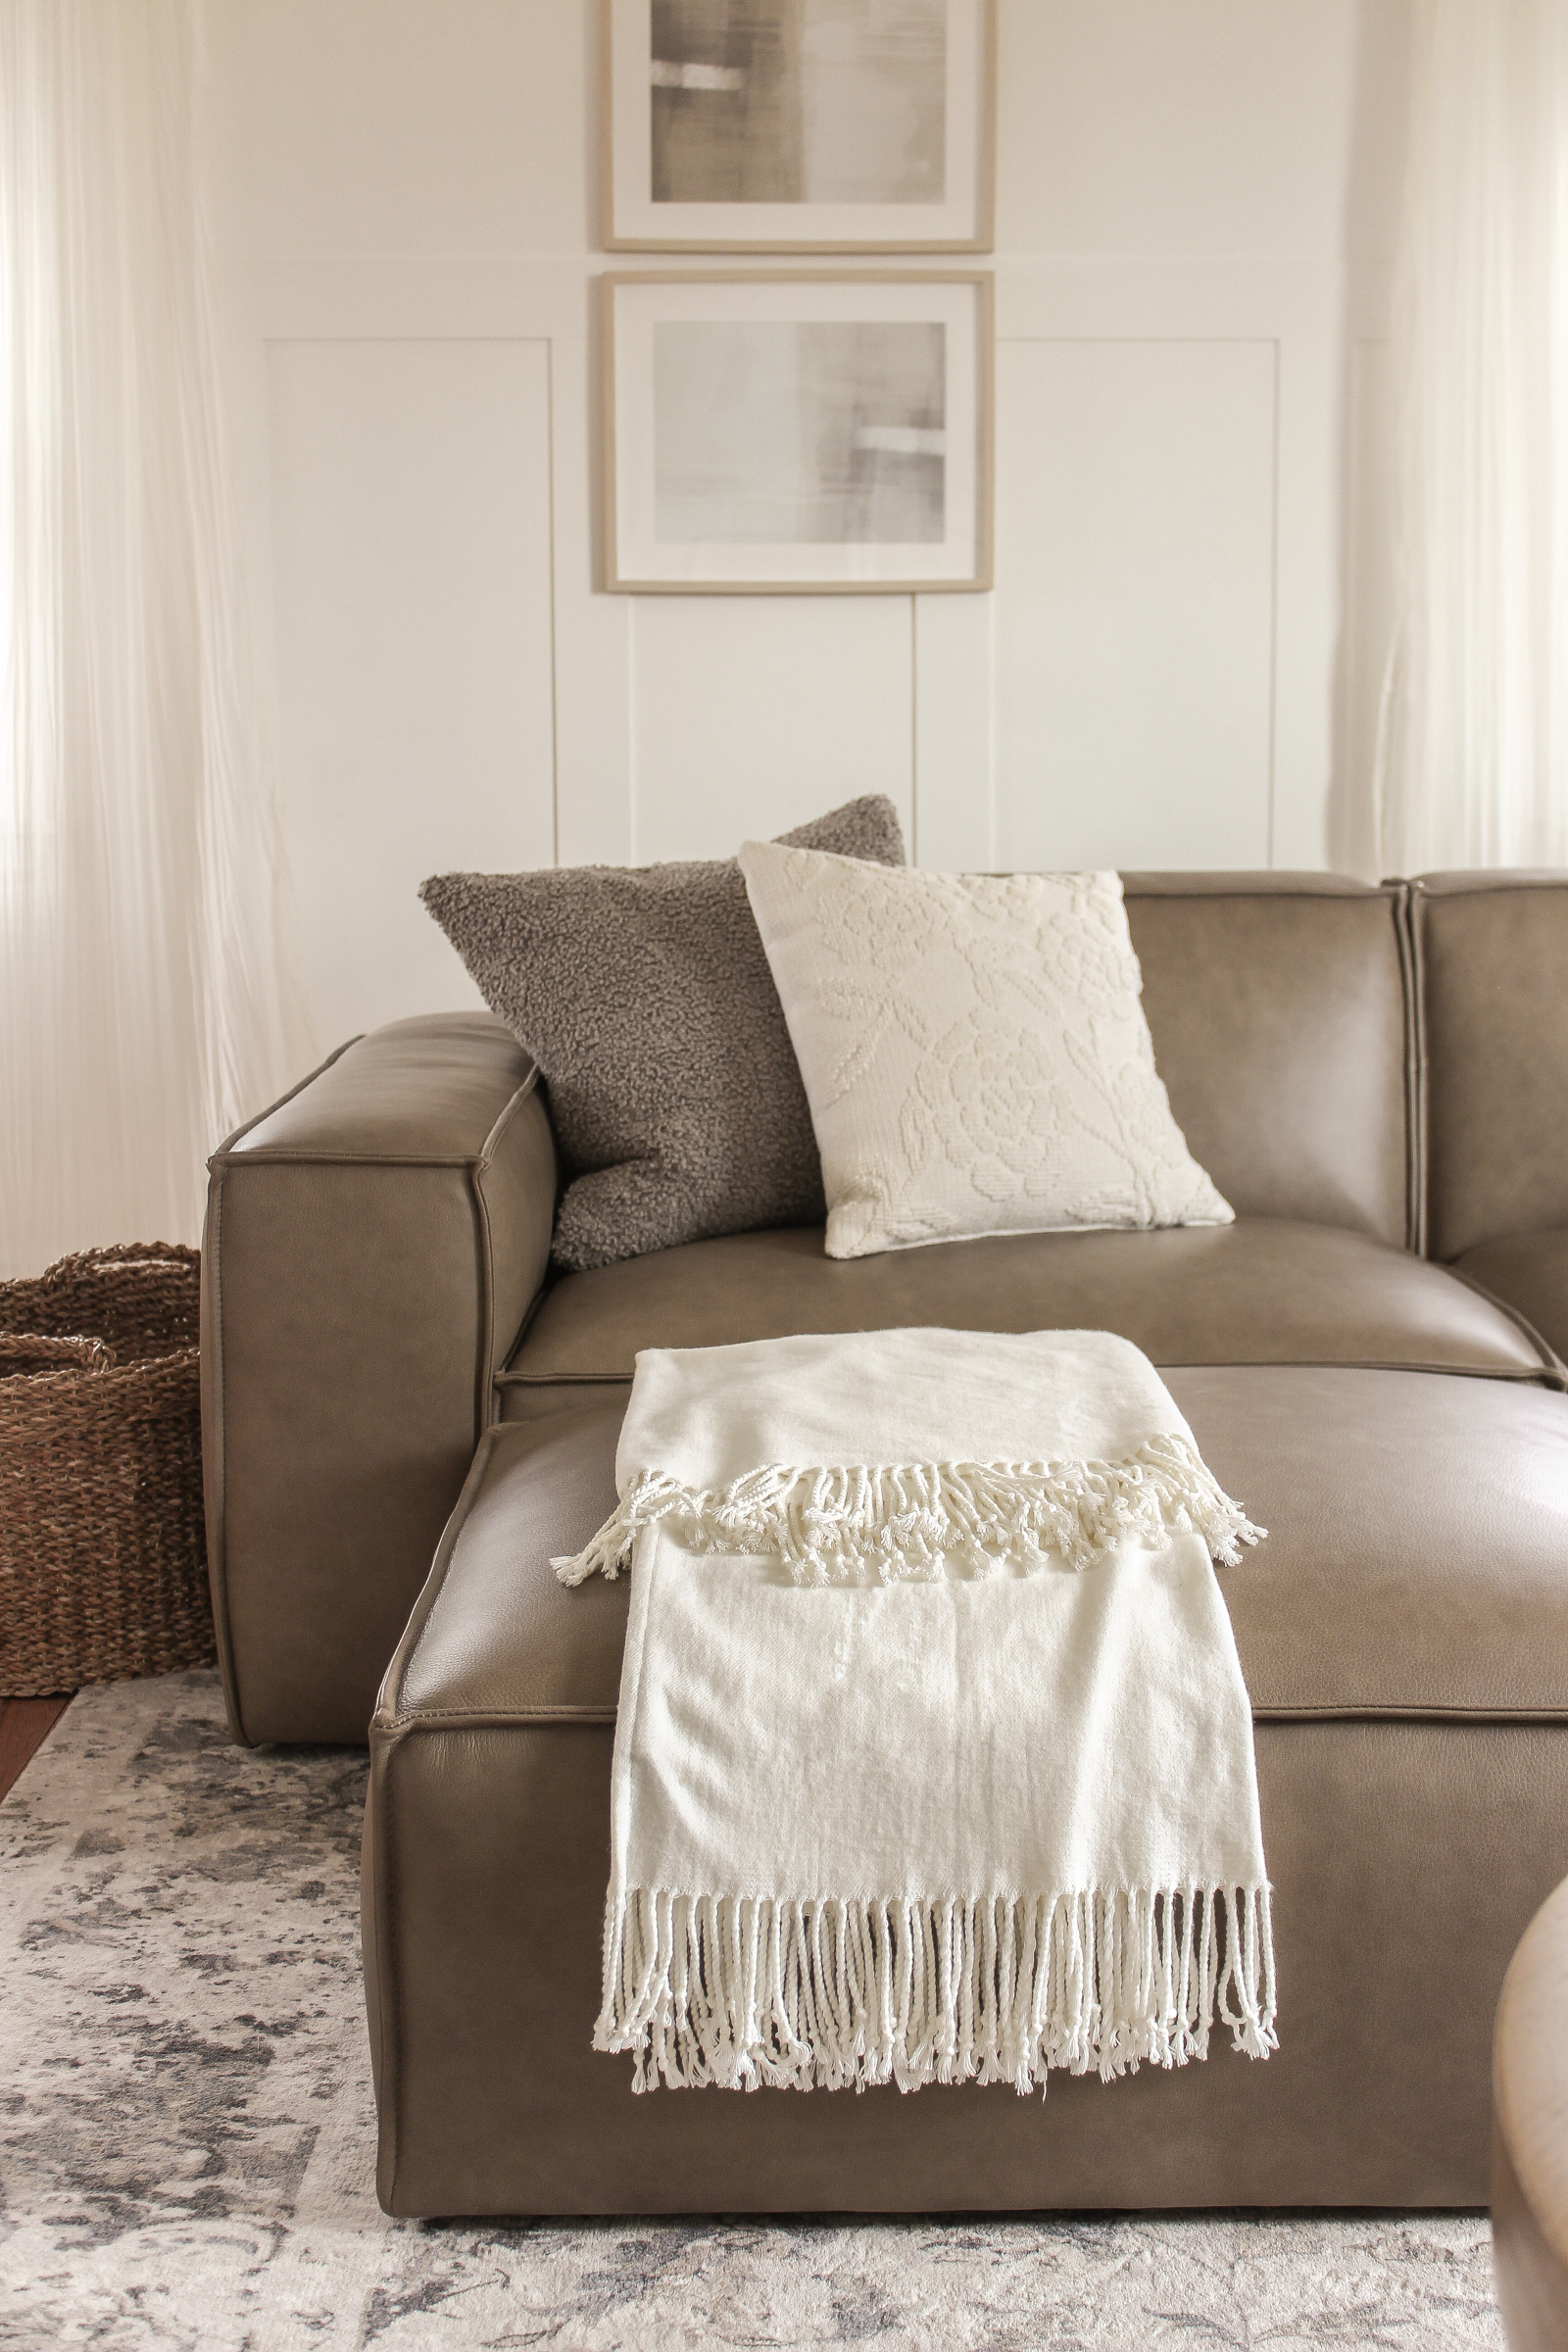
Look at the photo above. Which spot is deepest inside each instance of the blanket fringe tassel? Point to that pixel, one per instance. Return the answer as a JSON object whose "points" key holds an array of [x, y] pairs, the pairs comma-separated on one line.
{"points": [[906, 1522], [746, 1990]]}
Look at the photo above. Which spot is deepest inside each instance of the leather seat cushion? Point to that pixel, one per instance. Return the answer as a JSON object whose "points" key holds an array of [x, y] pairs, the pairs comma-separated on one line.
{"points": [[1262, 1291], [1417, 1563]]}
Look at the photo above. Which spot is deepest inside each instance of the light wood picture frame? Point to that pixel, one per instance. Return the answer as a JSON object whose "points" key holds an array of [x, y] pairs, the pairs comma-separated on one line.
{"points": [[799, 126], [797, 432]]}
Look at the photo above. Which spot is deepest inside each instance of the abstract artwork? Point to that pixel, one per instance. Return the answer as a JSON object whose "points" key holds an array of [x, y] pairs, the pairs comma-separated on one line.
{"points": [[797, 432], [799, 124]]}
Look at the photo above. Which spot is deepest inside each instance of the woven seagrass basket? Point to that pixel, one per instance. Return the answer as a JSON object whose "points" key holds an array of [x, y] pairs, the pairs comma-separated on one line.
{"points": [[103, 1552]]}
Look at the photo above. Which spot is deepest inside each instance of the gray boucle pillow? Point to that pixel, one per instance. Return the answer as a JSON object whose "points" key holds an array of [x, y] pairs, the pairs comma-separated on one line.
{"points": [[643, 994]]}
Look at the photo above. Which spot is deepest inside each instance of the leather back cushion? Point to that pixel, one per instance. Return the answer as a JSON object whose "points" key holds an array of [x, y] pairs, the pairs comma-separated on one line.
{"points": [[1493, 950], [1279, 1012]]}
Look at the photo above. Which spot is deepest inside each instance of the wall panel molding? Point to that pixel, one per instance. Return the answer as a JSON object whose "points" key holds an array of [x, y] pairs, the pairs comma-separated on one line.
{"points": [[411, 537], [1122, 693]]}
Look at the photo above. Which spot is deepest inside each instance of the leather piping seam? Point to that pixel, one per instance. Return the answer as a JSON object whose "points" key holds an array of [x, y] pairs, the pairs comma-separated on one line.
{"points": [[1540, 1376], [311, 1076], [1516, 1315], [486, 1409], [1548, 1373], [301, 1157], [1423, 1075], [485, 1304], [1413, 1711], [1548, 879], [391, 1729], [1344, 887], [288, 1154], [1416, 1138], [503, 1118]]}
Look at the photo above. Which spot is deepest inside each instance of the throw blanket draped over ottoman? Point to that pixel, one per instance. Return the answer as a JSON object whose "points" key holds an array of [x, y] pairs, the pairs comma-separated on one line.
{"points": [[933, 1760]]}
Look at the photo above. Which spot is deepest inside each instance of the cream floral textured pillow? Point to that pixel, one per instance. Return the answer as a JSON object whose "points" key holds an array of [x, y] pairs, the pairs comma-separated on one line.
{"points": [[974, 1052]]}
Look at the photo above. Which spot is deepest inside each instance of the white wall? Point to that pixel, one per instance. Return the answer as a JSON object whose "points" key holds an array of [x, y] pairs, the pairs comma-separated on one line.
{"points": [[1178, 663]]}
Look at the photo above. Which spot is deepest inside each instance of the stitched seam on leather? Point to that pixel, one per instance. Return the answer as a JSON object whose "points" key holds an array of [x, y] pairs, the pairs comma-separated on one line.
{"points": [[1548, 1356], [1541, 1375], [1416, 1128], [304, 1155], [1256, 886], [485, 1369], [434, 1719], [285, 1153], [1337, 1363], [1413, 1711], [229, 1141], [1495, 887], [521, 1094], [530, 1085], [1372, 1710]]}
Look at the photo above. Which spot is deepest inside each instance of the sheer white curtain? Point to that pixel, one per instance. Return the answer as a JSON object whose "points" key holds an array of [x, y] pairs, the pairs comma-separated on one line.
{"points": [[144, 1006], [1473, 754]]}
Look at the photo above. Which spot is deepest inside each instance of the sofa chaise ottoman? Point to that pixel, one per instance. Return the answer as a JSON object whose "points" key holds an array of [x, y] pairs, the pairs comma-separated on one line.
{"points": [[1368, 1074]]}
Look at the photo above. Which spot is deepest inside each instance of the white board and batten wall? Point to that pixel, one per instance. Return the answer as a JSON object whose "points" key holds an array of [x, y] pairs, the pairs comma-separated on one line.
{"points": [[1178, 665]]}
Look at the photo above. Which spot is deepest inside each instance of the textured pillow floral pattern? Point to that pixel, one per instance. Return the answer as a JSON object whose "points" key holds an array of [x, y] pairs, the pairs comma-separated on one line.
{"points": [[974, 1052]]}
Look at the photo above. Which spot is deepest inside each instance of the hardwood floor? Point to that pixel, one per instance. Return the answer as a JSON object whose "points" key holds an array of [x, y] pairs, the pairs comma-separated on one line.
{"points": [[24, 1726]]}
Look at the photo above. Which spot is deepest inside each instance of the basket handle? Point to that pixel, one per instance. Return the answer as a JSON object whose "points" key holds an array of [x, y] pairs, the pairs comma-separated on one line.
{"points": [[119, 1253], [37, 1352]]}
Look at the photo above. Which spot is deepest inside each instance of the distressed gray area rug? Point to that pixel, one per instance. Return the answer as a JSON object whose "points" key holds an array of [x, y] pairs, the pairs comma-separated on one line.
{"points": [[186, 2136]]}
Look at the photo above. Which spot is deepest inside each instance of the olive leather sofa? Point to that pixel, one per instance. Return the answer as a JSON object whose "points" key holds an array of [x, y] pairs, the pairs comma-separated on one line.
{"points": [[1370, 1359]]}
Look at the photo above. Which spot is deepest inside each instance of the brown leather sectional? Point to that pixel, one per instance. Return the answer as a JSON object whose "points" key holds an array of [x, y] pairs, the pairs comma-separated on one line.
{"points": [[1378, 1081]]}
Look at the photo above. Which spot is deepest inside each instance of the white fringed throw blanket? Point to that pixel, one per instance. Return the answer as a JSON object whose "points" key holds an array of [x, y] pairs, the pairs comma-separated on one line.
{"points": [[934, 1760]]}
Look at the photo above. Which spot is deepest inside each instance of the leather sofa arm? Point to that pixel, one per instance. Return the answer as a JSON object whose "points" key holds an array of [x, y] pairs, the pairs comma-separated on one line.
{"points": [[374, 1245]]}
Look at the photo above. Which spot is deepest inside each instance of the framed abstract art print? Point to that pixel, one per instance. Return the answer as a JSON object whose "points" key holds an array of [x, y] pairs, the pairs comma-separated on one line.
{"points": [[799, 126], [798, 430]]}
